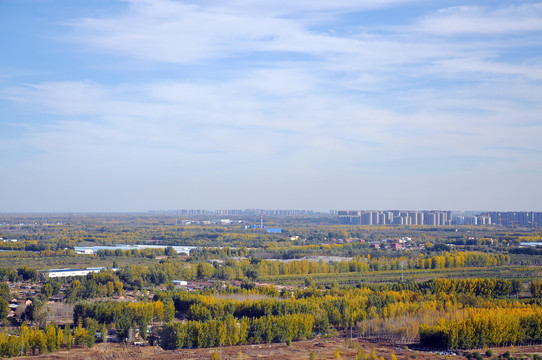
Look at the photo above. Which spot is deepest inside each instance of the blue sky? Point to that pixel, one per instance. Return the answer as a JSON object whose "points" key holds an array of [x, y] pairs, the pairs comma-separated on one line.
{"points": [[377, 104]]}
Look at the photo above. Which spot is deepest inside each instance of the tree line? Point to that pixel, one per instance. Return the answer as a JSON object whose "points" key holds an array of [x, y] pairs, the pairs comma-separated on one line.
{"points": [[125, 315], [150, 253], [516, 324], [232, 331], [33, 340]]}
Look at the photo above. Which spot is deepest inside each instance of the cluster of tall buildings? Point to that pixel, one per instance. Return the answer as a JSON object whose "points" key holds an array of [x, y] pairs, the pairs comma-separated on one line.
{"points": [[438, 218], [394, 217], [387, 217], [515, 218]]}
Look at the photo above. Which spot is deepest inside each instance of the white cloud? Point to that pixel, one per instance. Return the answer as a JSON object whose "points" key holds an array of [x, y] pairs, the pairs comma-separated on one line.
{"points": [[174, 32], [480, 20], [468, 67], [182, 33]]}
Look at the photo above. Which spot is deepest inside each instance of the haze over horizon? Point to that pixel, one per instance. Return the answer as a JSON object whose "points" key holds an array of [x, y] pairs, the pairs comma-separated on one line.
{"points": [[132, 105]]}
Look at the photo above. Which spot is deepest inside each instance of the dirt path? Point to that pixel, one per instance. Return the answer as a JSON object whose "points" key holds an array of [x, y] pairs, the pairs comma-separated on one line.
{"points": [[324, 348]]}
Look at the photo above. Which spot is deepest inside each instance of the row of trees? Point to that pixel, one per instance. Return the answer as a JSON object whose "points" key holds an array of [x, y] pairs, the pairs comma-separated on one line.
{"points": [[90, 287], [203, 308], [367, 263], [22, 273], [226, 252], [150, 253], [476, 328], [35, 245], [32, 340], [478, 287], [125, 315], [232, 331]]}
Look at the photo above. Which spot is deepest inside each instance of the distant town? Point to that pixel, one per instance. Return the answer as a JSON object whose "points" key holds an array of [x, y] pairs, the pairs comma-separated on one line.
{"points": [[381, 217]]}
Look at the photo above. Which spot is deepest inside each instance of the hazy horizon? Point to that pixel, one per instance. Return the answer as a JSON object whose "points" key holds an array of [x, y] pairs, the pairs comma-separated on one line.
{"points": [[133, 105], [212, 212]]}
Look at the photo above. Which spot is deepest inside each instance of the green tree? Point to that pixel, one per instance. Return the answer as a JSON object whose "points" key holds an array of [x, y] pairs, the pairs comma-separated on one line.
{"points": [[69, 341], [110, 288], [59, 337], [119, 287], [170, 251], [360, 355], [123, 325], [50, 333], [4, 309], [536, 288], [35, 312], [24, 335], [103, 332], [169, 311], [205, 271], [80, 335], [47, 291], [42, 342], [309, 282], [5, 292]]}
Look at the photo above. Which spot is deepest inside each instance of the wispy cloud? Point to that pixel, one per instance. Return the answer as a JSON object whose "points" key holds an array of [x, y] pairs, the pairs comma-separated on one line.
{"points": [[484, 20]]}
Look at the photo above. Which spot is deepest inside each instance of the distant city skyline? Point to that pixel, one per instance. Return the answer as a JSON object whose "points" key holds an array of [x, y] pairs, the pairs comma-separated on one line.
{"points": [[131, 105], [258, 211]]}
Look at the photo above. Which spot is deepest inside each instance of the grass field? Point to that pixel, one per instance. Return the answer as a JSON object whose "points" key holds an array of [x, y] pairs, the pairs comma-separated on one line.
{"points": [[522, 273]]}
